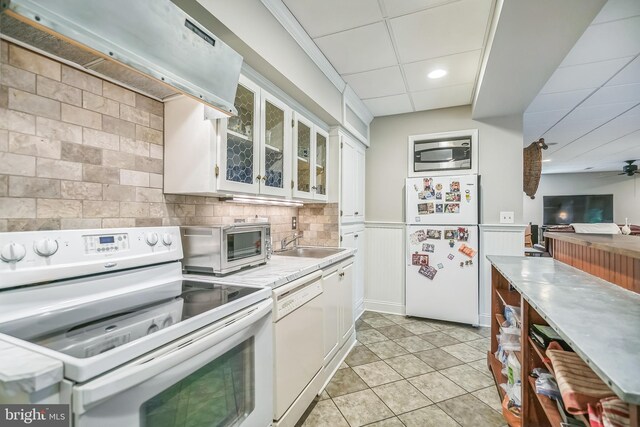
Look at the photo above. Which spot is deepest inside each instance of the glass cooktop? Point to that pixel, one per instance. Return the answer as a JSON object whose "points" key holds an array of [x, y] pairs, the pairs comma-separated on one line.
{"points": [[83, 338]]}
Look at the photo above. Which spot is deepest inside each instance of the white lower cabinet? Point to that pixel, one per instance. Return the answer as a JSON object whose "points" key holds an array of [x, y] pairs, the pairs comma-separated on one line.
{"points": [[353, 236], [337, 287]]}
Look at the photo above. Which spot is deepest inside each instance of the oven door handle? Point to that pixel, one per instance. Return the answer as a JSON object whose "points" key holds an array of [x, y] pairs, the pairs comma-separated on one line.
{"points": [[180, 351]]}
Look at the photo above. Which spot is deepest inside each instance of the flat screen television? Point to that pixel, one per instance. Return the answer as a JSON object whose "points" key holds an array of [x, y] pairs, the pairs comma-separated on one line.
{"points": [[559, 210]]}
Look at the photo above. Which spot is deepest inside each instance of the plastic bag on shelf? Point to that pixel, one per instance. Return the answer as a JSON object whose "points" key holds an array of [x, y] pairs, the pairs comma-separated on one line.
{"points": [[546, 385], [512, 314], [514, 392], [513, 369]]}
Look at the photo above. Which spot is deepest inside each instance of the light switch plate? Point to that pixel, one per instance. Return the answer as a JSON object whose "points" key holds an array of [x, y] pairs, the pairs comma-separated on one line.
{"points": [[506, 217]]}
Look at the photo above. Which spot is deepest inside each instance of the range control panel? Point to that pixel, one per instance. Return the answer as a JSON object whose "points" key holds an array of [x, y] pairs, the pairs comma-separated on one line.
{"points": [[43, 256], [106, 243]]}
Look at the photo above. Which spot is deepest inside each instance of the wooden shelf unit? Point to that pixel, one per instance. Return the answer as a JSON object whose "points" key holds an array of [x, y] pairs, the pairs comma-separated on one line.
{"points": [[549, 406]]}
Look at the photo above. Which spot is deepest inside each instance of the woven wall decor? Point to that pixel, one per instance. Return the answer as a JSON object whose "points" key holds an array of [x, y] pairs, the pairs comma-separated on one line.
{"points": [[533, 167]]}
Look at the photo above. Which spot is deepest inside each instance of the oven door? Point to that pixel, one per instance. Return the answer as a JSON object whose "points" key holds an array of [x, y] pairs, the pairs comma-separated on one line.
{"points": [[243, 246], [220, 375]]}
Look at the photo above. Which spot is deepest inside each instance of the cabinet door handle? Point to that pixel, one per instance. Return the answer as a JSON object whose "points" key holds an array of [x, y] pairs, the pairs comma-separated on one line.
{"points": [[357, 213], [341, 274], [264, 178], [314, 188], [355, 235], [258, 178]]}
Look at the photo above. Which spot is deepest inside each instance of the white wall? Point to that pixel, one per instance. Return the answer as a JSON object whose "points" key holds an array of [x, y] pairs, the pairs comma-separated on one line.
{"points": [[500, 161], [625, 190]]}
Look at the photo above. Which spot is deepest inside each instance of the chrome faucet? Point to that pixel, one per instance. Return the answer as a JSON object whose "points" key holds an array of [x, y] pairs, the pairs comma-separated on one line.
{"points": [[288, 240]]}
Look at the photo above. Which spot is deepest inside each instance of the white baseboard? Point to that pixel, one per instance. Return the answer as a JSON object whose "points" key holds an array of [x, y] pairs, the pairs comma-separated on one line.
{"points": [[384, 307], [359, 310], [485, 320]]}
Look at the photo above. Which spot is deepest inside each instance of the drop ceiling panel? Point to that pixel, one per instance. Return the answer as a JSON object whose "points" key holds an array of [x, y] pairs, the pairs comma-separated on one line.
{"points": [[461, 68], [629, 74], [360, 49], [324, 17], [617, 9], [601, 42], [385, 106], [536, 124], [443, 30], [561, 100], [584, 76], [442, 97], [377, 83], [396, 8]]}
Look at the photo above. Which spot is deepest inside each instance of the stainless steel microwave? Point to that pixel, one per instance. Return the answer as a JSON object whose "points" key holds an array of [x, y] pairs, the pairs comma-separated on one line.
{"points": [[222, 249], [442, 154]]}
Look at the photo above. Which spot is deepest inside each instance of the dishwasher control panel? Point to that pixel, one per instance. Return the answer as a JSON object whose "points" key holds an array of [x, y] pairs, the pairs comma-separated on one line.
{"points": [[294, 298]]}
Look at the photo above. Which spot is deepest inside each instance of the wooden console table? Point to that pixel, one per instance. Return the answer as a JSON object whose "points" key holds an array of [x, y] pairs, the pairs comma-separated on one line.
{"points": [[599, 320]]}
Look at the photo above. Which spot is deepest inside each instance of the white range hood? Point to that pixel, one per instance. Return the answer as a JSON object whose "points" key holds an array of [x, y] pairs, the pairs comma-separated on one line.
{"points": [[148, 45]]}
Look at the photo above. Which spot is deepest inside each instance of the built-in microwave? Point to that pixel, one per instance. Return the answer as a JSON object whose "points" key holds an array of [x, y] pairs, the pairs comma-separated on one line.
{"points": [[442, 154], [222, 249]]}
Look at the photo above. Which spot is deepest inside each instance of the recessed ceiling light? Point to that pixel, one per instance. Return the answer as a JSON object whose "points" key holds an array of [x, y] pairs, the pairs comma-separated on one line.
{"points": [[546, 160], [436, 74]]}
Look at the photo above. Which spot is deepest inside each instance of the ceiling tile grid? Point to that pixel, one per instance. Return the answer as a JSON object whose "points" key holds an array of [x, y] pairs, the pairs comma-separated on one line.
{"points": [[384, 49], [589, 109]]}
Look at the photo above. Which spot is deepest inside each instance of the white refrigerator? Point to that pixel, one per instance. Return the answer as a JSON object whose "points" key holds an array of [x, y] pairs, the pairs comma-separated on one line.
{"points": [[442, 248]]}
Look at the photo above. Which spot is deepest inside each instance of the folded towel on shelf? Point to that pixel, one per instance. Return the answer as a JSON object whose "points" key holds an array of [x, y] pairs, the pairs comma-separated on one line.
{"points": [[609, 412], [579, 385]]}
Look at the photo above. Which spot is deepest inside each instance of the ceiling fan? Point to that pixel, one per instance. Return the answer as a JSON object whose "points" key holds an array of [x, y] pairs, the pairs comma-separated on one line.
{"points": [[629, 169]]}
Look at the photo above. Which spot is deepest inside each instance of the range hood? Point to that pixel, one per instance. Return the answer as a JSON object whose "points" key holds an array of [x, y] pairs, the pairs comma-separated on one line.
{"points": [[151, 46]]}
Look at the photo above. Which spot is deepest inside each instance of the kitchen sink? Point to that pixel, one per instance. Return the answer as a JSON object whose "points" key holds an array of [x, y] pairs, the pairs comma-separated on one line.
{"points": [[306, 252]]}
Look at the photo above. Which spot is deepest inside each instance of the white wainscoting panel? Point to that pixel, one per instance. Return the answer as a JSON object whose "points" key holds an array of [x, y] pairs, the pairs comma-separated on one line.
{"points": [[496, 239], [384, 267]]}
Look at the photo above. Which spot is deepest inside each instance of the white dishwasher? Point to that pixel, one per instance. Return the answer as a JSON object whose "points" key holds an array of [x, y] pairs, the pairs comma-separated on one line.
{"points": [[298, 347]]}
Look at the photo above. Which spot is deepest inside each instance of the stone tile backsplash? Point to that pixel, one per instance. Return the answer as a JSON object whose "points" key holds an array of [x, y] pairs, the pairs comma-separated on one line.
{"points": [[80, 152]]}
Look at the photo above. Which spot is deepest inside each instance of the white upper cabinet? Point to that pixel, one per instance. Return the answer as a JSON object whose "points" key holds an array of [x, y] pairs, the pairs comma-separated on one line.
{"points": [[310, 165], [255, 145], [352, 180], [240, 161]]}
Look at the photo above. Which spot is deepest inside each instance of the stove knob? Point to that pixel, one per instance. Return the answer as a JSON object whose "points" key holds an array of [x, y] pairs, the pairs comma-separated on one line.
{"points": [[12, 252], [167, 240], [46, 247], [151, 238]]}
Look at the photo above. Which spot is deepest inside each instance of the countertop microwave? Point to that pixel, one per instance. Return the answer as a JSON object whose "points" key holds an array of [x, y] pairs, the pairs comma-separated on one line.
{"points": [[222, 249]]}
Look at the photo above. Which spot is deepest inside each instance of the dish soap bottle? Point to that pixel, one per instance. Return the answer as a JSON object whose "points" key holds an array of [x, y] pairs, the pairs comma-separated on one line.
{"points": [[626, 229]]}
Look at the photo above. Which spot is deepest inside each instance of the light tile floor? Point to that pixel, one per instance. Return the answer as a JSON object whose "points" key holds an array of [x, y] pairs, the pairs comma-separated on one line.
{"points": [[410, 372]]}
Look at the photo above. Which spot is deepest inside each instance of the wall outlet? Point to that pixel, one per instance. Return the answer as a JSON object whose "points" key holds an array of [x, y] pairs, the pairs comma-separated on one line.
{"points": [[506, 217], [294, 222]]}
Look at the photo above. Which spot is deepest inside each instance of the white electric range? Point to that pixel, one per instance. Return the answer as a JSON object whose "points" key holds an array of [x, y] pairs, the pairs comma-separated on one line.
{"points": [[139, 344]]}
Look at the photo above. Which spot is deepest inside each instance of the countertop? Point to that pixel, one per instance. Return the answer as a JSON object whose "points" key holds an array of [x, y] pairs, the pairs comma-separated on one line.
{"points": [[280, 270], [599, 320], [614, 243], [23, 370]]}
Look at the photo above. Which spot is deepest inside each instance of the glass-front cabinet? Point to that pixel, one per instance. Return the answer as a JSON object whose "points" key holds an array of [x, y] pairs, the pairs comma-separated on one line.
{"points": [[310, 146], [255, 146]]}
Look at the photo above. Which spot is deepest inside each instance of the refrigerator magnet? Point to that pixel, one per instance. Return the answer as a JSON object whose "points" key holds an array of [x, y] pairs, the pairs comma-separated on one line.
{"points": [[452, 197], [454, 186], [439, 208], [419, 259], [467, 250], [467, 195], [428, 247], [452, 243], [452, 208], [434, 234], [463, 234], [461, 263], [428, 271], [440, 266], [439, 195], [451, 256], [421, 235], [450, 234], [426, 208], [438, 187]]}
